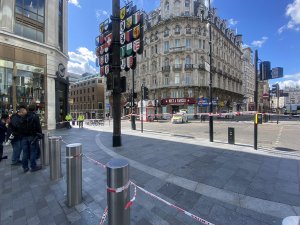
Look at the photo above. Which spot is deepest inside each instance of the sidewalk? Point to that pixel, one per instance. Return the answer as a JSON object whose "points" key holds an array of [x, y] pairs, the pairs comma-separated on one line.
{"points": [[220, 183]]}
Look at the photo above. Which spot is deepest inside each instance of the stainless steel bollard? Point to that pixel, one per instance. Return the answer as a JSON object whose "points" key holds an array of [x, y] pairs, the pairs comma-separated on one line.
{"points": [[55, 157], [45, 149], [117, 177], [74, 173]]}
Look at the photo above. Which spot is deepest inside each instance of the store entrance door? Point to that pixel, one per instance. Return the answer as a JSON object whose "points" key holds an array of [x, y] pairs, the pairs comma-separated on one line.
{"points": [[175, 109]]}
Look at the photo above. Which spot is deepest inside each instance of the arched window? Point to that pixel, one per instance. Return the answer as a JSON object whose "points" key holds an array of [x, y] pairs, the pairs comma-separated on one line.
{"points": [[188, 29], [166, 32], [177, 29], [177, 4], [154, 66]]}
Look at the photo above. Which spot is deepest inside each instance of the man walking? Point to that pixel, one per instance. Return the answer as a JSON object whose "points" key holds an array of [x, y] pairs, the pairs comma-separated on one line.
{"points": [[29, 128]]}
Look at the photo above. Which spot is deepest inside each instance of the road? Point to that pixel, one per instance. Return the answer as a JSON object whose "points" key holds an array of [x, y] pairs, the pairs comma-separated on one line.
{"points": [[282, 136]]}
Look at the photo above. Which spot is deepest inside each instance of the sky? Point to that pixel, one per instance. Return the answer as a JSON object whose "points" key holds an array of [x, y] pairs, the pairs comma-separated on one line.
{"points": [[270, 26]]}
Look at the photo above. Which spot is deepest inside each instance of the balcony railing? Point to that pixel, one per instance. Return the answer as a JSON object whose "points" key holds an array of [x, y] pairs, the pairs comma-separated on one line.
{"points": [[188, 66], [177, 49], [177, 67], [166, 68], [201, 67]]}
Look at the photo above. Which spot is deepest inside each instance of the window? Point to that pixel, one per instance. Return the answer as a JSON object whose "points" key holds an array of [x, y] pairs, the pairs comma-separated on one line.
{"points": [[166, 32], [166, 62], [188, 60], [156, 49], [203, 46], [93, 97], [177, 60], [190, 93], [188, 43], [177, 78], [188, 79], [177, 29], [188, 29], [167, 6], [166, 80], [80, 91], [100, 105], [60, 24], [93, 89], [187, 3], [29, 17], [166, 46], [177, 43]]}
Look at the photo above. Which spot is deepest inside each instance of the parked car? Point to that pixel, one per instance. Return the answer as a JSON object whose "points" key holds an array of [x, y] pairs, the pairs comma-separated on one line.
{"points": [[179, 118]]}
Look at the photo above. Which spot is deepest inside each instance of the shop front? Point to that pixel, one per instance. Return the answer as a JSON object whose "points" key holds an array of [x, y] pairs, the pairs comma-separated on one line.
{"points": [[174, 105], [24, 78]]}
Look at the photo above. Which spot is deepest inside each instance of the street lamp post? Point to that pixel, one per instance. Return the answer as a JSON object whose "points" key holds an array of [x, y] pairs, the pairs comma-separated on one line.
{"points": [[211, 125]]}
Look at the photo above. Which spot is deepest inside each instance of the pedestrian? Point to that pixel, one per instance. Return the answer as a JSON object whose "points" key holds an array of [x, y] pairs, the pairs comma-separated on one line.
{"points": [[32, 113], [80, 120], [29, 129], [3, 130], [14, 138], [68, 118]]}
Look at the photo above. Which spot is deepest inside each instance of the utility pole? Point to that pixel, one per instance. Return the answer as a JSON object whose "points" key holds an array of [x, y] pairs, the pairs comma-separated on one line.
{"points": [[142, 108], [255, 98], [277, 93], [211, 125], [115, 18]]}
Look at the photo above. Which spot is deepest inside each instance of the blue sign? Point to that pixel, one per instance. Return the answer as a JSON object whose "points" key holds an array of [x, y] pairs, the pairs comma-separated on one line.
{"points": [[108, 105], [204, 102]]}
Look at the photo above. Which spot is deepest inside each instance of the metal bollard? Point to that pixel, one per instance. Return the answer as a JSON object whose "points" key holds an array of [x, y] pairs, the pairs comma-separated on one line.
{"points": [[44, 145], [74, 173], [231, 138], [118, 177], [55, 157]]}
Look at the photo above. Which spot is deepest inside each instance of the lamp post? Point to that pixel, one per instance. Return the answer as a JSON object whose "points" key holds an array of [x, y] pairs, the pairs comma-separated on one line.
{"points": [[255, 97], [211, 125]]}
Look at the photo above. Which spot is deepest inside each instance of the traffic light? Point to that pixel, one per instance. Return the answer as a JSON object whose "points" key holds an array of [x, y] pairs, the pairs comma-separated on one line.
{"points": [[109, 82], [275, 88], [145, 93]]}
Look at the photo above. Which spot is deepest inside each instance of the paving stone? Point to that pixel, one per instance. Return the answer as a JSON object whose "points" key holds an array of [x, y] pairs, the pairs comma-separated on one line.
{"points": [[33, 220], [73, 217]]}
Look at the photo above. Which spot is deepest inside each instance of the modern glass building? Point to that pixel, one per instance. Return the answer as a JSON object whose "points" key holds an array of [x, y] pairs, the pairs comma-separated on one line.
{"points": [[33, 57]]}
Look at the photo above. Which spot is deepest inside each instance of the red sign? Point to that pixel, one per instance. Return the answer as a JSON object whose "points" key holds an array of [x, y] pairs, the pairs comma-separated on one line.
{"points": [[178, 101]]}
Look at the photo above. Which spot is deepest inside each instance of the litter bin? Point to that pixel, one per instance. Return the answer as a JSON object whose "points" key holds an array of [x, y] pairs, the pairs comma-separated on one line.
{"points": [[231, 135], [73, 122]]}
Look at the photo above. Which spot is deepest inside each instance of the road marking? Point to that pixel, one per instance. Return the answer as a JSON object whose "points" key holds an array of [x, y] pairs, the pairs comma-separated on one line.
{"points": [[258, 205], [278, 137]]}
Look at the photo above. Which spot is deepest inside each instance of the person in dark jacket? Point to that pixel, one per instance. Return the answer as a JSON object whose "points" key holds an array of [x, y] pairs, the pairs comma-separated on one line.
{"points": [[15, 139], [29, 128], [3, 130]]}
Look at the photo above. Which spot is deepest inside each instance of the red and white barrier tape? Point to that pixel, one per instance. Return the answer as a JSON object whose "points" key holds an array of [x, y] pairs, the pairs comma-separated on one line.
{"points": [[120, 189], [74, 156], [104, 216], [174, 206], [95, 162], [130, 203]]}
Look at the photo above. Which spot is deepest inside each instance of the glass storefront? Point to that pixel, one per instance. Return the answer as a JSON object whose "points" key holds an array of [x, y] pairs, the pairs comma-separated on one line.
{"points": [[30, 86]]}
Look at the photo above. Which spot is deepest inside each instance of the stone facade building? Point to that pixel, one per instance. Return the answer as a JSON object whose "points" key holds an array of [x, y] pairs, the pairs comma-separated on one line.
{"points": [[248, 78], [33, 57], [87, 97], [175, 62]]}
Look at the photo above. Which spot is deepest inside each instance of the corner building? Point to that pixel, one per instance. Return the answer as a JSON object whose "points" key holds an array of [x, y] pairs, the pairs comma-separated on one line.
{"points": [[175, 62], [33, 57]]}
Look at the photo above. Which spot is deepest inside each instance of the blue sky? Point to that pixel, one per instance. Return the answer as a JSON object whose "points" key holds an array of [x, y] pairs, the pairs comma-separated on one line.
{"points": [[270, 26]]}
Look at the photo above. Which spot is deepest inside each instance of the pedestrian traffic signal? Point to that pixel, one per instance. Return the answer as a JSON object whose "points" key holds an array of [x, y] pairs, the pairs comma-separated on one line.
{"points": [[145, 93], [258, 118], [123, 84]]}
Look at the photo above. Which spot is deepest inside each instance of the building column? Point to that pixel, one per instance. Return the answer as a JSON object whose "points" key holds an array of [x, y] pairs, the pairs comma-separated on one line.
{"points": [[7, 16]]}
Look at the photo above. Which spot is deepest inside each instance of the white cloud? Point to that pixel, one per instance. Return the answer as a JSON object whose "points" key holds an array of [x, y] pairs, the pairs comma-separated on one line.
{"points": [[292, 11], [101, 14], [232, 22], [75, 2], [290, 81], [259, 43], [245, 46], [81, 61]]}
